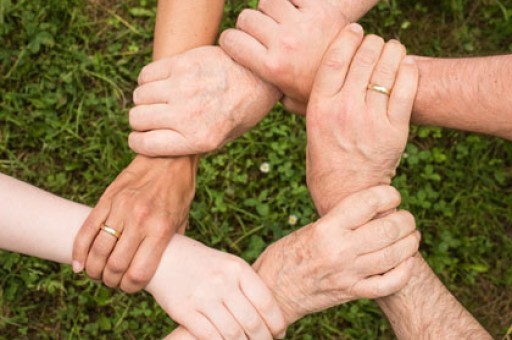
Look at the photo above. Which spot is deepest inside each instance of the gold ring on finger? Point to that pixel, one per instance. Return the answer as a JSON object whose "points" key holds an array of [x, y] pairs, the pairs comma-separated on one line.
{"points": [[379, 89], [111, 231]]}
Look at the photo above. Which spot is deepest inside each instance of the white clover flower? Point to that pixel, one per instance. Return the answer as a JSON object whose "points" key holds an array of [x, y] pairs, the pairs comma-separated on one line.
{"points": [[265, 168], [405, 155], [292, 220]]}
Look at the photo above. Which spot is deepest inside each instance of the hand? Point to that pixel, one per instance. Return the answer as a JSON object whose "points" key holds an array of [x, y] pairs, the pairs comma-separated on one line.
{"points": [[195, 103], [356, 136], [343, 256], [284, 42], [148, 202], [214, 295]]}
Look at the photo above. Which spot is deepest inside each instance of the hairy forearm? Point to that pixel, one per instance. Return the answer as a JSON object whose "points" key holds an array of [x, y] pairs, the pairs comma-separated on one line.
{"points": [[470, 94], [184, 25], [425, 309]]}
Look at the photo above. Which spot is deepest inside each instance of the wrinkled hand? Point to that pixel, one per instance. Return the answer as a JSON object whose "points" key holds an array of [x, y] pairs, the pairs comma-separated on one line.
{"points": [[214, 295], [284, 42], [343, 256], [356, 136], [195, 103], [148, 202]]}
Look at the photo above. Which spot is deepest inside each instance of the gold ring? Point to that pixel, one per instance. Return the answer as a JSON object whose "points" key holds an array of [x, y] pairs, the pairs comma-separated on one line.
{"points": [[379, 89], [111, 231]]}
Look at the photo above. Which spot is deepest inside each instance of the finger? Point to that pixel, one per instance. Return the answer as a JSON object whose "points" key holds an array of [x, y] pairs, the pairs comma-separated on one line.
{"points": [[87, 234], [361, 207], [154, 117], [161, 143], [258, 25], [121, 257], [336, 62], [201, 328], [225, 323], [279, 10], [383, 285], [362, 66], [302, 3], [155, 92], [384, 260], [180, 333], [404, 92], [144, 264], [262, 299], [245, 50], [157, 70], [247, 316], [384, 75], [104, 243], [383, 232], [294, 106]]}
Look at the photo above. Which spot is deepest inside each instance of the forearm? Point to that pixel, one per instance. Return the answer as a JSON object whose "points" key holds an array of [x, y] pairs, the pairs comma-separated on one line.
{"points": [[184, 25], [425, 309], [354, 10], [181, 26], [469, 94], [37, 223]]}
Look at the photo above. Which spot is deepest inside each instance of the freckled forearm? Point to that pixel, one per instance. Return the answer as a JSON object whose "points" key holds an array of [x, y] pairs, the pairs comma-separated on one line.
{"points": [[467, 94]]}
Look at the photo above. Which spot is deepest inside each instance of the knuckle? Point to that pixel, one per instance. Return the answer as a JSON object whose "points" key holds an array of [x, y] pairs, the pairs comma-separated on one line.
{"points": [[208, 141], [252, 322], [116, 265], [385, 70], [233, 332], [273, 66], [366, 58], [334, 61], [133, 116], [137, 96], [387, 259], [370, 200], [141, 210], [138, 276], [408, 221], [243, 18], [388, 230], [162, 230], [263, 4], [143, 75]]}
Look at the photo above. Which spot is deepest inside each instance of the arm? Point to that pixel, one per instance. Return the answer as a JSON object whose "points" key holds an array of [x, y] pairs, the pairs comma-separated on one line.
{"points": [[226, 99], [423, 308], [470, 94], [184, 25], [149, 201], [215, 295]]}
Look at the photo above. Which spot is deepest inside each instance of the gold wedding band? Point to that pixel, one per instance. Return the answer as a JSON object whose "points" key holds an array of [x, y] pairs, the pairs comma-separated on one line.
{"points": [[111, 231], [379, 89]]}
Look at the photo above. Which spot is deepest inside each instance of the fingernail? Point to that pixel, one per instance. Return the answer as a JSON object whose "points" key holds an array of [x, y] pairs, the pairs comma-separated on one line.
{"points": [[77, 267], [409, 60], [355, 27]]}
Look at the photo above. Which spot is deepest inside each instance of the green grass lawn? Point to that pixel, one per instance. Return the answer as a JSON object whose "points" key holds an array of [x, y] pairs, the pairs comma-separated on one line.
{"points": [[67, 70]]}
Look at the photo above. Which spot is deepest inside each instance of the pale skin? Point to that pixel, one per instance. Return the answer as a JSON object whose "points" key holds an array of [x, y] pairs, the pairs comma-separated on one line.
{"points": [[37, 223], [149, 201]]}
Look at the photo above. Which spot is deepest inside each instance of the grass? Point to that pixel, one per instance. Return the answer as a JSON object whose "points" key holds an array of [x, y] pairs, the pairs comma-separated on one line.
{"points": [[67, 69]]}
